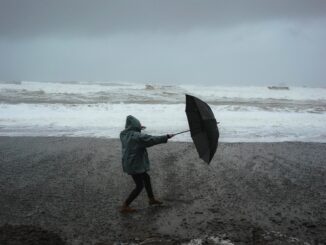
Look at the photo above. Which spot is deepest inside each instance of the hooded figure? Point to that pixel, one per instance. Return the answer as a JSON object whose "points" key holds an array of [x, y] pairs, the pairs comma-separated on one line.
{"points": [[135, 160], [134, 154]]}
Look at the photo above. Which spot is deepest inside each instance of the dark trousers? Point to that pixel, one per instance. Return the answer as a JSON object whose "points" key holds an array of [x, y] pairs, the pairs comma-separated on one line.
{"points": [[141, 180]]}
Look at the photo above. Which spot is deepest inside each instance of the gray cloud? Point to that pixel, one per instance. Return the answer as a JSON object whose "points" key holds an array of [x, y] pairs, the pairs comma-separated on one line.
{"points": [[28, 18], [256, 42], [258, 54]]}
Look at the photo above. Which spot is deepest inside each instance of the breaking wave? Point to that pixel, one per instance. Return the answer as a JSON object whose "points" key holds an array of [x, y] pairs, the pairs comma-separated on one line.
{"points": [[235, 98], [98, 109]]}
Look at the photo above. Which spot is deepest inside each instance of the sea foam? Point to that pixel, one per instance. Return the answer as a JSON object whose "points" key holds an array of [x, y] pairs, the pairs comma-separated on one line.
{"points": [[99, 109]]}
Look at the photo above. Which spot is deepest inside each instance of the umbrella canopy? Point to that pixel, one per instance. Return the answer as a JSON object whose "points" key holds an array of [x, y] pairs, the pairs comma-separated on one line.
{"points": [[203, 127]]}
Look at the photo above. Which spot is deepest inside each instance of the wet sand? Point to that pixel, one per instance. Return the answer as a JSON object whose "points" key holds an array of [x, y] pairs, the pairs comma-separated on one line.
{"points": [[251, 193]]}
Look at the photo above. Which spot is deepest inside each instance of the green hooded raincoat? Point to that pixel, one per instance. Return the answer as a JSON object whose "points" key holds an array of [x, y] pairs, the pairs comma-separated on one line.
{"points": [[134, 143]]}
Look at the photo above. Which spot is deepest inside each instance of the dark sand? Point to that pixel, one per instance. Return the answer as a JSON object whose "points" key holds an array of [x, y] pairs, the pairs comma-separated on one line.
{"points": [[251, 193]]}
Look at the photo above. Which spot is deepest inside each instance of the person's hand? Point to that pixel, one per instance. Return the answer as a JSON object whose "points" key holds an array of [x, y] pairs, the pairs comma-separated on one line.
{"points": [[170, 136]]}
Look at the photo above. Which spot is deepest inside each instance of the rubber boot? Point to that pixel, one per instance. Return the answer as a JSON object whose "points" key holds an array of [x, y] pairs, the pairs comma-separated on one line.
{"points": [[153, 201], [126, 209]]}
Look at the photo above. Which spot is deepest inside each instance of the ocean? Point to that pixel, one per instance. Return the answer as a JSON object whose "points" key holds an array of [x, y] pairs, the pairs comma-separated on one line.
{"points": [[99, 109]]}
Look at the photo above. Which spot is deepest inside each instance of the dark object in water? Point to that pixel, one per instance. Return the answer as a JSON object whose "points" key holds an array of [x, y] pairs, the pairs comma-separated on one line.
{"points": [[279, 87], [149, 87]]}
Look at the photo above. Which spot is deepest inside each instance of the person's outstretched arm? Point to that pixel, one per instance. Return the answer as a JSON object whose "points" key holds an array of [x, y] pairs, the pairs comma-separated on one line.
{"points": [[147, 140]]}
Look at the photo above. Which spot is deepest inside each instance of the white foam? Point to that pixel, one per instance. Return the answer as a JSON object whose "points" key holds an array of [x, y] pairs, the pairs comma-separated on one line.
{"points": [[107, 120], [255, 92], [98, 109], [101, 92]]}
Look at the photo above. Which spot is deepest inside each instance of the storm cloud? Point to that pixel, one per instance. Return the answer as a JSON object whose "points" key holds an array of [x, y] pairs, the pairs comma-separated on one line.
{"points": [[182, 41], [102, 17]]}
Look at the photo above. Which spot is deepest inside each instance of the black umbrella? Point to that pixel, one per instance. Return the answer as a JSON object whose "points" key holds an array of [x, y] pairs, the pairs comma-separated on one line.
{"points": [[203, 127]]}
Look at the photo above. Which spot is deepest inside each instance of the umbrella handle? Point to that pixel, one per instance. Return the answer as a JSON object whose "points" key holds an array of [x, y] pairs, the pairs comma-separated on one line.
{"points": [[182, 132], [187, 131]]}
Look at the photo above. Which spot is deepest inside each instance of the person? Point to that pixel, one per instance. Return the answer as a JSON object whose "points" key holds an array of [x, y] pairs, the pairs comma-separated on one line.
{"points": [[135, 160]]}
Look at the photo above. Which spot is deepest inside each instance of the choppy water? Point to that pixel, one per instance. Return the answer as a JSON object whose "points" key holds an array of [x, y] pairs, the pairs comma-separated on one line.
{"points": [[98, 109]]}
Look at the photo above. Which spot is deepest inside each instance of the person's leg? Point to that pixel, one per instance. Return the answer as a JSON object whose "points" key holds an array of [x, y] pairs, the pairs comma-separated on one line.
{"points": [[148, 187], [138, 179], [139, 187]]}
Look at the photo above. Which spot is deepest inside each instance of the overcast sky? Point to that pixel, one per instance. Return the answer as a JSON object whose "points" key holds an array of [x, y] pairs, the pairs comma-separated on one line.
{"points": [[213, 42]]}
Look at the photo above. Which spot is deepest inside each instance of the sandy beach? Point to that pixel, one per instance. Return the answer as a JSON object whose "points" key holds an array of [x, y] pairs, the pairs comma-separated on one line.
{"points": [[68, 191]]}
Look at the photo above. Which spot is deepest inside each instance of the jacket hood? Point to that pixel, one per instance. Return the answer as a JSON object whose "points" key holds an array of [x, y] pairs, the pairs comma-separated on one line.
{"points": [[132, 123]]}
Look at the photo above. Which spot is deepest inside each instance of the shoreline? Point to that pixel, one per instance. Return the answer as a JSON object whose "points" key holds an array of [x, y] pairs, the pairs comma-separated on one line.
{"points": [[171, 141], [73, 186]]}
